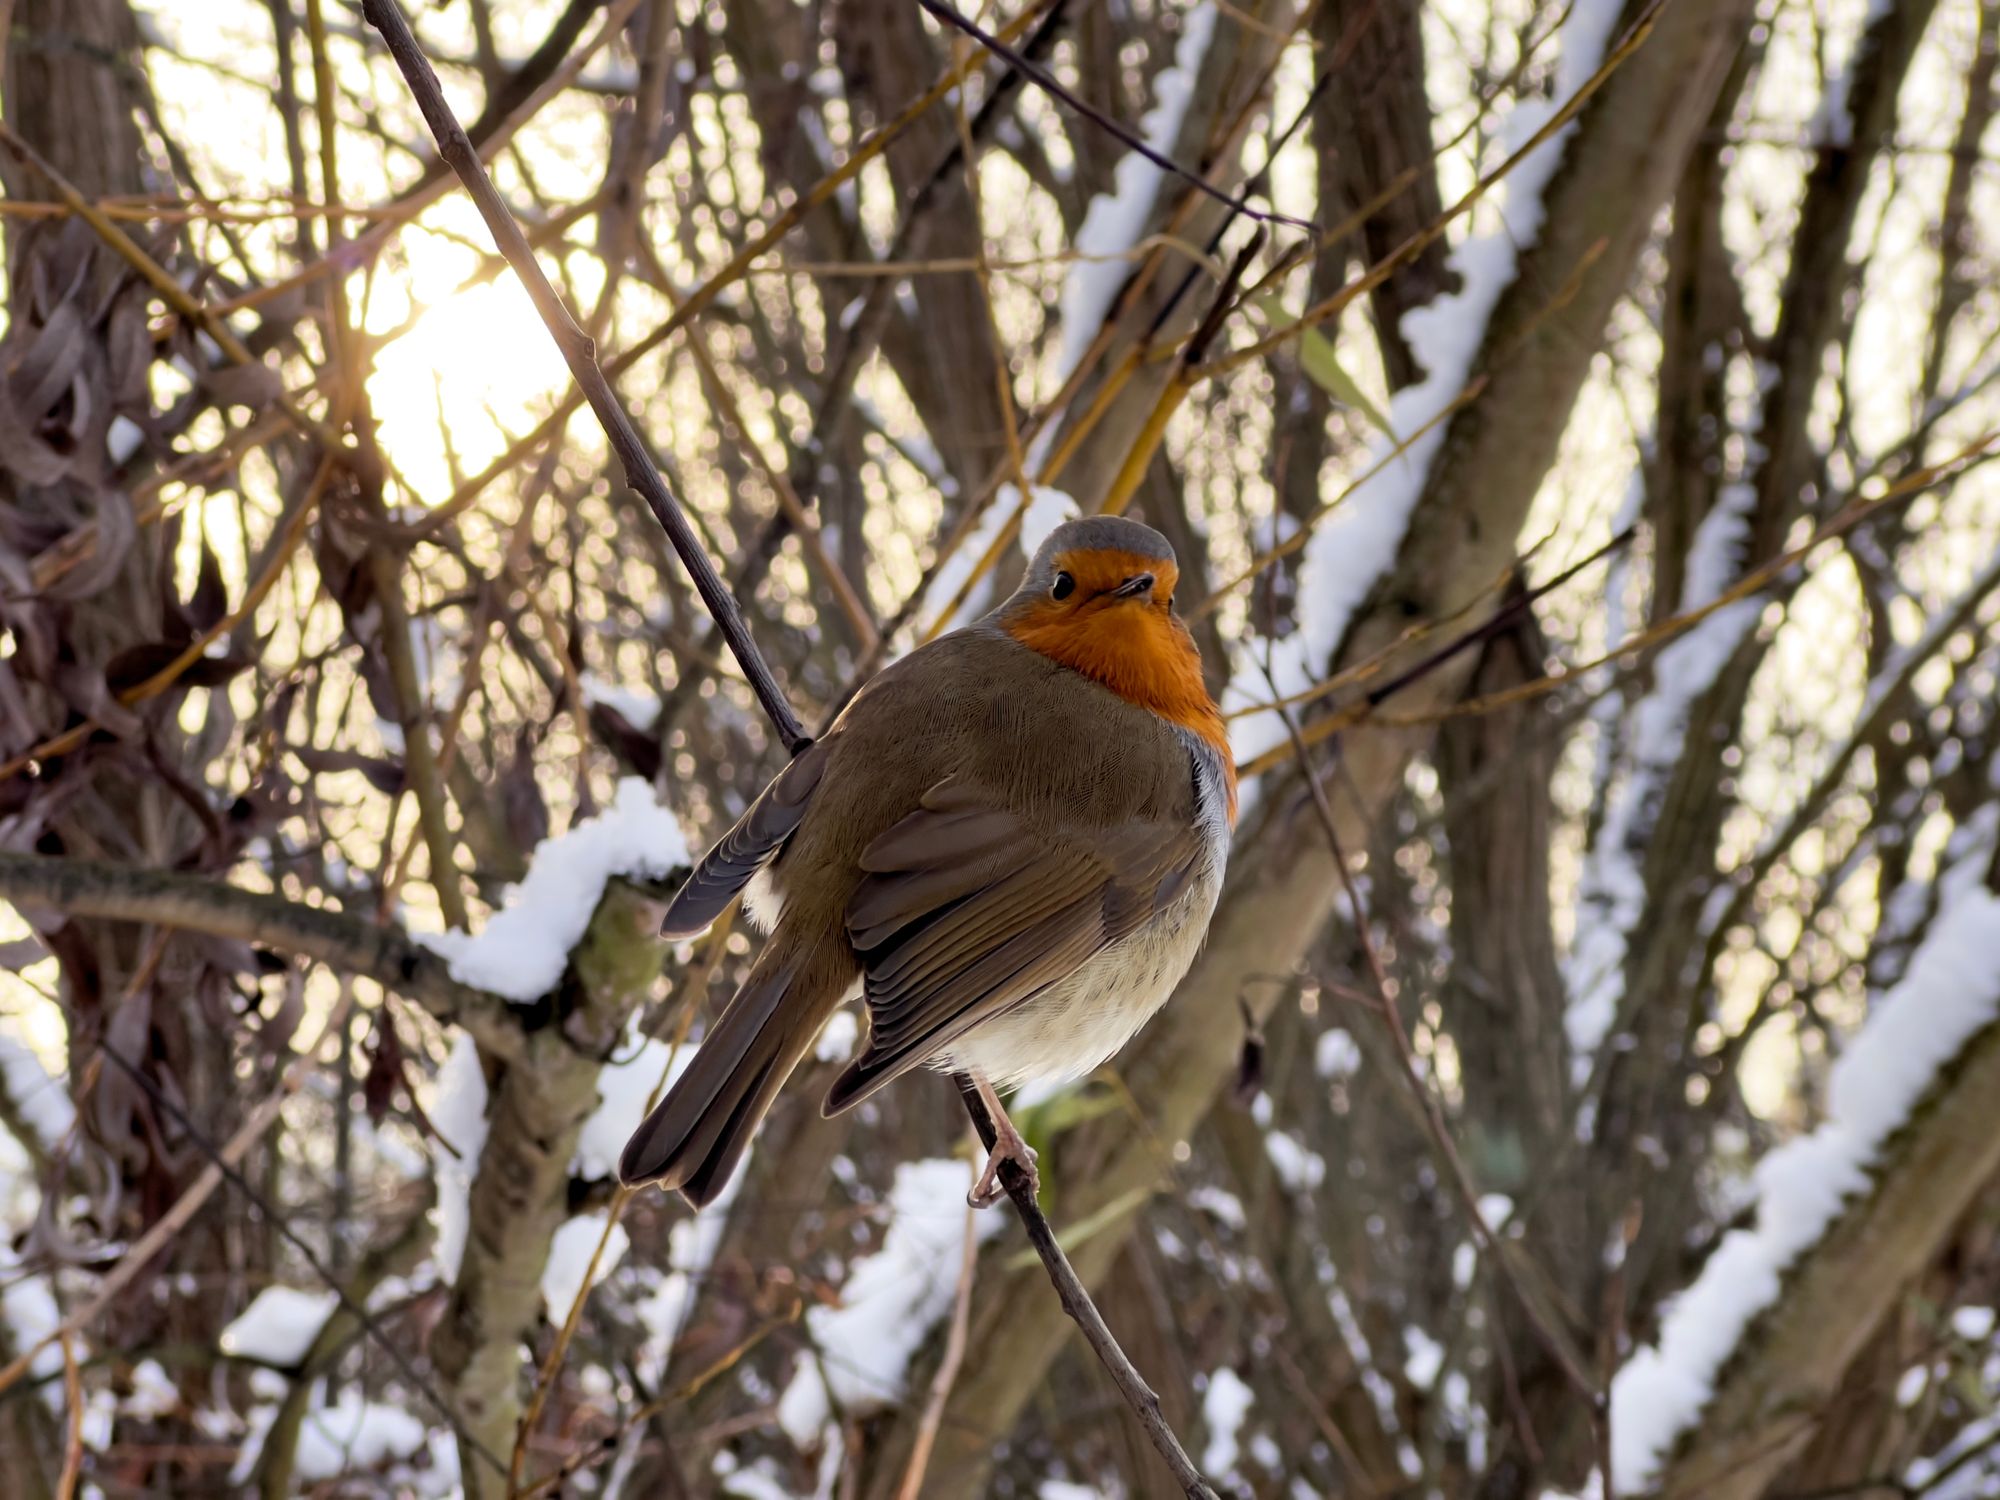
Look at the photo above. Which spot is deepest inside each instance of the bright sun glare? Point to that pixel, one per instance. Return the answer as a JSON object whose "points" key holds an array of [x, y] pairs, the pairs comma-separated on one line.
{"points": [[479, 359]]}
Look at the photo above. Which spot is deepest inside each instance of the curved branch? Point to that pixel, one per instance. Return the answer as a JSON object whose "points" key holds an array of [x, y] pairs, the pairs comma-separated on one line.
{"points": [[388, 955]]}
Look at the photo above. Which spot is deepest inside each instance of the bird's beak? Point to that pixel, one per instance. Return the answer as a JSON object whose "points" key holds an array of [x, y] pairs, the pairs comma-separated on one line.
{"points": [[1134, 588]]}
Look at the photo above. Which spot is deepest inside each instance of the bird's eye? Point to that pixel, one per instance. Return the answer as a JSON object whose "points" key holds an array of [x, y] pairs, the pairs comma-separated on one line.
{"points": [[1064, 586]]}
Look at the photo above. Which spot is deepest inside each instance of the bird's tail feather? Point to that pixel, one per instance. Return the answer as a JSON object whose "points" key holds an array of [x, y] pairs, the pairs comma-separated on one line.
{"points": [[696, 1136]]}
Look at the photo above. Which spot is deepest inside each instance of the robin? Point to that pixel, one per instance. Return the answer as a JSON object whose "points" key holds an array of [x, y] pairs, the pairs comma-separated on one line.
{"points": [[1009, 845]]}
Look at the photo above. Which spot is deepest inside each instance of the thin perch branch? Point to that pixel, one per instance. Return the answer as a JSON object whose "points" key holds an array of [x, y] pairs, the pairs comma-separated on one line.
{"points": [[579, 351], [1143, 1400]]}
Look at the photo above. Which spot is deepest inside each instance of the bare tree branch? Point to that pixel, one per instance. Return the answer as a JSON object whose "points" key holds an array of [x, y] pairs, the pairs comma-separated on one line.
{"points": [[388, 955]]}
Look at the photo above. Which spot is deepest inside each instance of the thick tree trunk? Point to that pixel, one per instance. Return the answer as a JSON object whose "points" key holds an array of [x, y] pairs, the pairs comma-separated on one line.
{"points": [[70, 93]]}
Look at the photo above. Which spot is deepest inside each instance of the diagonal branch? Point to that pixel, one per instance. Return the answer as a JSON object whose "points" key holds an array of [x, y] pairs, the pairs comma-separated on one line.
{"points": [[578, 350], [1141, 1397], [1131, 140], [391, 957]]}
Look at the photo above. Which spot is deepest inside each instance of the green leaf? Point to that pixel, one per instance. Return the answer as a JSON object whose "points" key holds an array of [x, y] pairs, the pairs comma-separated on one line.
{"points": [[1323, 368], [1042, 1123], [1077, 1233]]}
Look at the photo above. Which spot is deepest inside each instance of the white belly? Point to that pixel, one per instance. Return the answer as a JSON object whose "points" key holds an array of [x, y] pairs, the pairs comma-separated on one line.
{"points": [[1078, 1023]]}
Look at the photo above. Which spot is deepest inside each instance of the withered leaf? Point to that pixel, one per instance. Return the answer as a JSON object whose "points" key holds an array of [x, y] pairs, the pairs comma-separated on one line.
{"points": [[385, 1070], [254, 385], [141, 663], [210, 599]]}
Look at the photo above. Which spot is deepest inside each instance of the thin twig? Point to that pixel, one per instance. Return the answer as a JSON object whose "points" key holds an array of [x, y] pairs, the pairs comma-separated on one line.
{"points": [[1048, 84], [1145, 1403], [947, 1371], [578, 351], [72, 1469]]}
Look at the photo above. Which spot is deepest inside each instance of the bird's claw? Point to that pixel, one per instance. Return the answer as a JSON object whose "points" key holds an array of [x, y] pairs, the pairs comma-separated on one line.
{"points": [[1007, 1147]]}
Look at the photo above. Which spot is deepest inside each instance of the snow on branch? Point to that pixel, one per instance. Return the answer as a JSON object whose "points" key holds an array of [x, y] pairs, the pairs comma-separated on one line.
{"points": [[1949, 995], [1612, 895], [1115, 221], [1357, 544], [522, 951]]}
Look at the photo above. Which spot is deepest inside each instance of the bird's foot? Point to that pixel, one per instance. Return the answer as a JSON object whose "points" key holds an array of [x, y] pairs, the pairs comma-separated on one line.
{"points": [[1007, 1146]]}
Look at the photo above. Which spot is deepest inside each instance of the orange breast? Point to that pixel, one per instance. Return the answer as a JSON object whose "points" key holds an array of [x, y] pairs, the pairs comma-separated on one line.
{"points": [[1144, 655]]}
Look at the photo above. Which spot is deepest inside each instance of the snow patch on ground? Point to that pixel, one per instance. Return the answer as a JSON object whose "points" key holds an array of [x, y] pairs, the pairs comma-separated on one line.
{"points": [[522, 950], [1950, 992], [279, 1325], [892, 1300]]}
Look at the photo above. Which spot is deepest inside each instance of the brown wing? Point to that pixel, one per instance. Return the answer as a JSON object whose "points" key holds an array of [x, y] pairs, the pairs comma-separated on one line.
{"points": [[740, 853], [966, 911]]}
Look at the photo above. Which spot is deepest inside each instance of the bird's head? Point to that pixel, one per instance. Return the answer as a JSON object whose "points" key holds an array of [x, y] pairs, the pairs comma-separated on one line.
{"points": [[1094, 567], [1099, 598]]}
